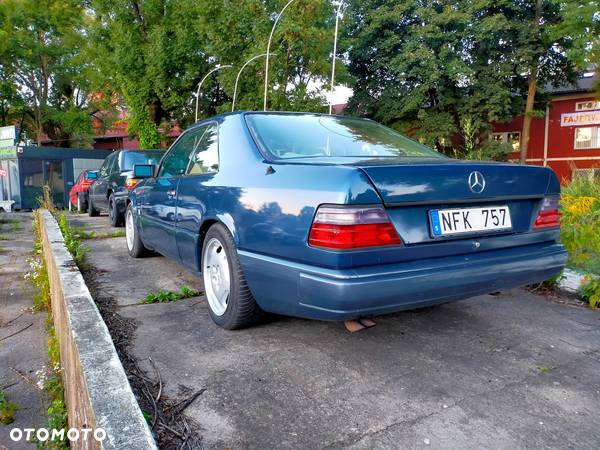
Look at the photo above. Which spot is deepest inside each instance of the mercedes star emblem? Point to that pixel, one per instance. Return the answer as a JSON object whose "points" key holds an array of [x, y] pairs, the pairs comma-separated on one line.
{"points": [[476, 182]]}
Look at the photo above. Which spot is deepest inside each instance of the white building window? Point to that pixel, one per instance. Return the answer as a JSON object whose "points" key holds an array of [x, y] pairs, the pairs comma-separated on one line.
{"points": [[587, 105], [587, 137], [512, 137]]}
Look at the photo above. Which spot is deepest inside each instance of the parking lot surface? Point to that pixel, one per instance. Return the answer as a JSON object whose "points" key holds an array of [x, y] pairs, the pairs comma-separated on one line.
{"points": [[514, 370]]}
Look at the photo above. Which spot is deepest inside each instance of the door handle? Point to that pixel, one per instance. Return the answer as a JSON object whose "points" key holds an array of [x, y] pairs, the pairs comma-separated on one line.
{"points": [[171, 194]]}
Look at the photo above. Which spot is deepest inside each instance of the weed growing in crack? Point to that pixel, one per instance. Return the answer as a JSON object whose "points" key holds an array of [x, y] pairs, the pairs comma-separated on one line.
{"points": [[162, 296]]}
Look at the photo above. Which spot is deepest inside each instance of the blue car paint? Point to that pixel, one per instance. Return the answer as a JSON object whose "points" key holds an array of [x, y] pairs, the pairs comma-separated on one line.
{"points": [[268, 206]]}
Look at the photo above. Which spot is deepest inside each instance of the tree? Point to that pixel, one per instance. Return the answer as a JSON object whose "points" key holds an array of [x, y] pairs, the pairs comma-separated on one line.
{"points": [[580, 25], [39, 43], [152, 53], [429, 67]]}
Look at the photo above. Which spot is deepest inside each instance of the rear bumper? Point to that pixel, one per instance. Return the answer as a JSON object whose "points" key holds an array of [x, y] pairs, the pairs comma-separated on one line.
{"points": [[289, 288]]}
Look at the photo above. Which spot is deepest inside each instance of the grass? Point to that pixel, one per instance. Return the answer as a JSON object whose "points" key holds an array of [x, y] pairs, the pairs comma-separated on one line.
{"points": [[4, 238], [7, 409], [4, 219], [73, 241], [162, 296], [107, 235]]}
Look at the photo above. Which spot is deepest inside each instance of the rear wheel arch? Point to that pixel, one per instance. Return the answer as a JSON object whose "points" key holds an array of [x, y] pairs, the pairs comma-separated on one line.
{"points": [[225, 220]]}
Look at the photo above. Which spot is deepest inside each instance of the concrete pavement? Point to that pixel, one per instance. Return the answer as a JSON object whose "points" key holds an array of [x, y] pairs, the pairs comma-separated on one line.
{"points": [[515, 370]]}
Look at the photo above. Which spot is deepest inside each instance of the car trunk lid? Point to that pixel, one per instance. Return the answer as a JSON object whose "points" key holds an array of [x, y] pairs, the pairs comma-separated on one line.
{"points": [[410, 192], [448, 181]]}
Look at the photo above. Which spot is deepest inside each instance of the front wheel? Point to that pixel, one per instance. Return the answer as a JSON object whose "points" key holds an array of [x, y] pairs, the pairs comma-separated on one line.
{"points": [[230, 302], [135, 246]]}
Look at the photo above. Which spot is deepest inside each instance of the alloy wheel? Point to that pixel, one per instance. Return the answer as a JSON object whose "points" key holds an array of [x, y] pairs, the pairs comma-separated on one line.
{"points": [[217, 283], [129, 229]]}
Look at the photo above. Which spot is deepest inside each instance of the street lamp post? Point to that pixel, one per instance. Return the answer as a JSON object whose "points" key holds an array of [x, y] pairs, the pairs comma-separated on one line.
{"points": [[203, 80], [268, 50], [237, 79], [337, 20]]}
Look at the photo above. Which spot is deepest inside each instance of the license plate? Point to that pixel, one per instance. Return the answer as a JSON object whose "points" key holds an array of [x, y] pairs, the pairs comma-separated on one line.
{"points": [[446, 222]]}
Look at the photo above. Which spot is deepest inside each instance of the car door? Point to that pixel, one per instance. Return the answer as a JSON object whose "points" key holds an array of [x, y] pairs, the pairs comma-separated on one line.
{"points": [[97, 191], [160, 208], [196, 194]]}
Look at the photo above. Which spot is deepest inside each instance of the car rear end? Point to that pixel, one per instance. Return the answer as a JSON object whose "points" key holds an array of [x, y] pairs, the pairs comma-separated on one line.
{"points": [[437, 243], [442, 230]]}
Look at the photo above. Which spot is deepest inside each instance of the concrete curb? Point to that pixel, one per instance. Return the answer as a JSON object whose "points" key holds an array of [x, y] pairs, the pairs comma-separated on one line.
{"points": [[97, 392]]}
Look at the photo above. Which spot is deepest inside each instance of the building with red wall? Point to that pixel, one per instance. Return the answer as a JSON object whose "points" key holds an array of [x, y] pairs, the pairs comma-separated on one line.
{"points": [[567, 137]]}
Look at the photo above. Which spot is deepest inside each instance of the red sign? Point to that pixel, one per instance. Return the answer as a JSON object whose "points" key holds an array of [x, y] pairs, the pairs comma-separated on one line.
{"points": [[2, 173]]}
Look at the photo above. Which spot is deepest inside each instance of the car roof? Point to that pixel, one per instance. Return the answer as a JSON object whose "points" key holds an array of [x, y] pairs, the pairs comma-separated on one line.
{"points": [[247, 112]]}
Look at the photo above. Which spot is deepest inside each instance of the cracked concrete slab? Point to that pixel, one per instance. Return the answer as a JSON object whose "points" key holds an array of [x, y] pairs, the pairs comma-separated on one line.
{"points": [[510, 371]]}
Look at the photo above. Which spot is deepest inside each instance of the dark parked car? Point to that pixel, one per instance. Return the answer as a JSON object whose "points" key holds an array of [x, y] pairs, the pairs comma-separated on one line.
{"points": [[78, 194], [115, 179], [338, 218]]}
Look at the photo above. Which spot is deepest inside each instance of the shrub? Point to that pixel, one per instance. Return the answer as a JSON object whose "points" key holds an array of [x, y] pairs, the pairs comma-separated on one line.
{"points": [[580, 223], [580, 232]]}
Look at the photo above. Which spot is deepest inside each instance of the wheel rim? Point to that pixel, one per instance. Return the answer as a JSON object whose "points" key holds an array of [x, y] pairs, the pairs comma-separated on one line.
{"points": [[217, 283], [129, 229]]}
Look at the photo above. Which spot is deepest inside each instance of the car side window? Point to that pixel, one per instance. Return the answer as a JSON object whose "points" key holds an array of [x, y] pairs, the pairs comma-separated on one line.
{"points": [[176, 161], [104, 170], [205, 158]]}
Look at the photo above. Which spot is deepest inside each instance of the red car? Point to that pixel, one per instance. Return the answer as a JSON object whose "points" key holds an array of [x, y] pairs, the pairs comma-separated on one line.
{"points": [[78, 195]]}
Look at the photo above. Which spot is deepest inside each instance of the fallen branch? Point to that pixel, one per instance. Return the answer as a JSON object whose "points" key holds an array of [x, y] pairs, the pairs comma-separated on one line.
{"points": [[15, 333], [4, 325]]}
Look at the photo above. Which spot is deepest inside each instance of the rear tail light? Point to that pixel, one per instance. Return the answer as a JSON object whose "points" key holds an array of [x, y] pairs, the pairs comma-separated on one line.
{"points": [[345, 228], [130, 183], [548, 215]]}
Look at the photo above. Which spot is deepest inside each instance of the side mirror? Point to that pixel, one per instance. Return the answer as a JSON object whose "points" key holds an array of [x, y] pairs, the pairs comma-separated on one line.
{"points": [[92, 175], [143, 170]]}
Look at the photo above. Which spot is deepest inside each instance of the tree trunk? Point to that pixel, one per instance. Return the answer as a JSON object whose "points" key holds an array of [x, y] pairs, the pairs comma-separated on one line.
{"points": [[533, 73]]}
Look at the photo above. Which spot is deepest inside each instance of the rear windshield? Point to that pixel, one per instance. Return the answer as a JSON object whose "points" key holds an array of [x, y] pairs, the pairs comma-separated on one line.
{"points": [[143, 157], [288, 136]]}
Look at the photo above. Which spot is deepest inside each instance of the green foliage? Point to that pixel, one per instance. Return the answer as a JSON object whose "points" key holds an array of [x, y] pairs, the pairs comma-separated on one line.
{"points": [[581, 23], [155, 53], [591, 292], [162, 296], [45, 81], [73, 242], [37, 274], [141, 124], [6, 409], [423, 66], [580, 222]]}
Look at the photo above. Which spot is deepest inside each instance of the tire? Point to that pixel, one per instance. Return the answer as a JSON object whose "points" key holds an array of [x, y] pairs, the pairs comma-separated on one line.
{"points": [[135, 246], [231, 308], [114, 216], [92, 212], [81, 203]]}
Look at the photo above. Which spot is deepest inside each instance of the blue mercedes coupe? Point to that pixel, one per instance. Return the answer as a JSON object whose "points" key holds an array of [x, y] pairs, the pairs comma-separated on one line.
{"points": [[338, 218]]}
